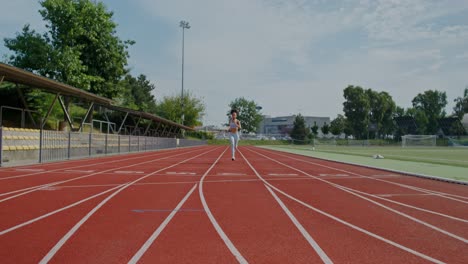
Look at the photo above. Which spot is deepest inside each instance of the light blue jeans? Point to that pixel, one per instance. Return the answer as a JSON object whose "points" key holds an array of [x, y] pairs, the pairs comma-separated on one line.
{"points": [[234, 139]]}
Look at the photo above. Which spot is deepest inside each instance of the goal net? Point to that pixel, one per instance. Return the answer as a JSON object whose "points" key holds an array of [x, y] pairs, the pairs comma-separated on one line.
{"points": [[418, 141]]}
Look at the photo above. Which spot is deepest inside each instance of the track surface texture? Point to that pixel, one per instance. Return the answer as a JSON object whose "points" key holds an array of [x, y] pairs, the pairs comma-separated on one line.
{"points": [[196, 205]]}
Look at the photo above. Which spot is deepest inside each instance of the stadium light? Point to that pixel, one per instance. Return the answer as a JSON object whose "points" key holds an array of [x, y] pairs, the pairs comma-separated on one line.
{"points": [[184, 25]]}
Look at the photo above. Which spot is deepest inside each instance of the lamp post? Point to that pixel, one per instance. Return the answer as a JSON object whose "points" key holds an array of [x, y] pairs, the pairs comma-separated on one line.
{"points": [[184, 25]]}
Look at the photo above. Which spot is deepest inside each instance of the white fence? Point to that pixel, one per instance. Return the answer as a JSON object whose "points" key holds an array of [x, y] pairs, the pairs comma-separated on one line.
{"points": [[19, 145]]}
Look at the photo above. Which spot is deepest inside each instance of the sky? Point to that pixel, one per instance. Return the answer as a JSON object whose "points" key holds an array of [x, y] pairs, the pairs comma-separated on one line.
{"points": [[290, 57]]}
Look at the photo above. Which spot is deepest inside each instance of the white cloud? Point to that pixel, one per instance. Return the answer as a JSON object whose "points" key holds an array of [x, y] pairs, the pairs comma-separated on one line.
{"points": [[463, 55], [293, 56], [243, 48]]}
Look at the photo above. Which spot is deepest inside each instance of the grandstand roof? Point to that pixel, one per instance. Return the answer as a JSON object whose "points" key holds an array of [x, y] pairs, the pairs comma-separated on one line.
{"points": [[20, 76], [16, 75]]}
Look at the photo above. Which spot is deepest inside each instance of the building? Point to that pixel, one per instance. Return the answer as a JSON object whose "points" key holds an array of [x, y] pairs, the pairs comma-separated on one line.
{"points": [[282, 125]]}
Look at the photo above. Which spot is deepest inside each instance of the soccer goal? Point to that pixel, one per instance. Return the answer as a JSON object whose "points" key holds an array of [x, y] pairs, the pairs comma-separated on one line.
{"points": [[418, 141]]}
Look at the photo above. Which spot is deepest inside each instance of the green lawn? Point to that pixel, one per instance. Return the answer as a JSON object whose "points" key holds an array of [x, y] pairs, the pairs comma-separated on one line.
{"points": [[436, 155], [446, 162]]}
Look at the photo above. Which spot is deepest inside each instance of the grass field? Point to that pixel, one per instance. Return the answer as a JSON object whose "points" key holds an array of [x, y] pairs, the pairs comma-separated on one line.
{"points": [[437, 155], [447, 162]]}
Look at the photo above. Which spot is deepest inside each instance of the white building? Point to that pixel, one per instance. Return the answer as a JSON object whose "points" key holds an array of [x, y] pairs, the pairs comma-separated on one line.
{"points": [[282, 125]]}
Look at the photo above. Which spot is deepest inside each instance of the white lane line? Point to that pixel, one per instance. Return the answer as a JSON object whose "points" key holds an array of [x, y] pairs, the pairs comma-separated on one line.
{"points": [[231, 174], [334, 175], [55, 212], [282, 174], [419, 254], [75, 228], [301, 229], [180, 173], [129, 172], [29, 170], [114, 160], [440, 194], [220, 231], [158, 231], [50, 188], [446, 195], [349, 190], [85, 171], [409, 206], [404, 194], [298, 225], [35, 188]]}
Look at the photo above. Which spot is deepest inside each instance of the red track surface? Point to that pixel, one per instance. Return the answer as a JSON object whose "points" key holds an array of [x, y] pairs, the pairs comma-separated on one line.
{"points": [[197, 206]]}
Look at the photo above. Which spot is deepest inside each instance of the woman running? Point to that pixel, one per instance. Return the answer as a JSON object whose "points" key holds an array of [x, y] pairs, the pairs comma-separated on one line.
{"points": [[234, 126]]}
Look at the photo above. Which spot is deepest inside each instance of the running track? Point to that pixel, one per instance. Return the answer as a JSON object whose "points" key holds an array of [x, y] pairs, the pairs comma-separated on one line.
{"points": [[195, 205]]}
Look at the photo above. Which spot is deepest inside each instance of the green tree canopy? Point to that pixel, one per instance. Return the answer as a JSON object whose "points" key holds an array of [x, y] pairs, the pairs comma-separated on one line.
{"points": [[80, 47], [382, 107], [137, 93], [249, 113], [325, 129], [170, 108], [432, 104], [314, 129], [356, 109], [461, 105], [337, 125], [300, 131], [420, 118]]}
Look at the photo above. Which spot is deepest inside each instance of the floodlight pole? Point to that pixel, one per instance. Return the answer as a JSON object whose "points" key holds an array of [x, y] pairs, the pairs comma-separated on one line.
{"points": [[184, 25]]}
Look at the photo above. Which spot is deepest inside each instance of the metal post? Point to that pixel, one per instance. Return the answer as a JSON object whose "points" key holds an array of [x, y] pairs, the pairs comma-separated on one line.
{"points": [[123, 122], [90, 139], [22, 118], [90, 109], [184, 25], [41, 135], [23, 100], [129, 143], [65, 112], [109, 123], [148, 127], [138, 139], [182, 96], [44, 120], [69, 144], [118, 136], [136, 126], [105, 147]]}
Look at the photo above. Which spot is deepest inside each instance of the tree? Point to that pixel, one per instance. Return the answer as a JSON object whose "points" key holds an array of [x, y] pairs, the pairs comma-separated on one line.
{"points": [[137, 93], [337, 125], [420, 118], [314, 129], [461, 105], [80, 47], [170, 108], [382, 107], [356, 109], [325, 129], [249, 113], [300, 132], [432, 104]]}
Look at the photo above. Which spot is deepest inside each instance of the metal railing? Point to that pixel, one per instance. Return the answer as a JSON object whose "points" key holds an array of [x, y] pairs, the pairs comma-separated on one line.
{"points": [[23, 114], [47, 145]]}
